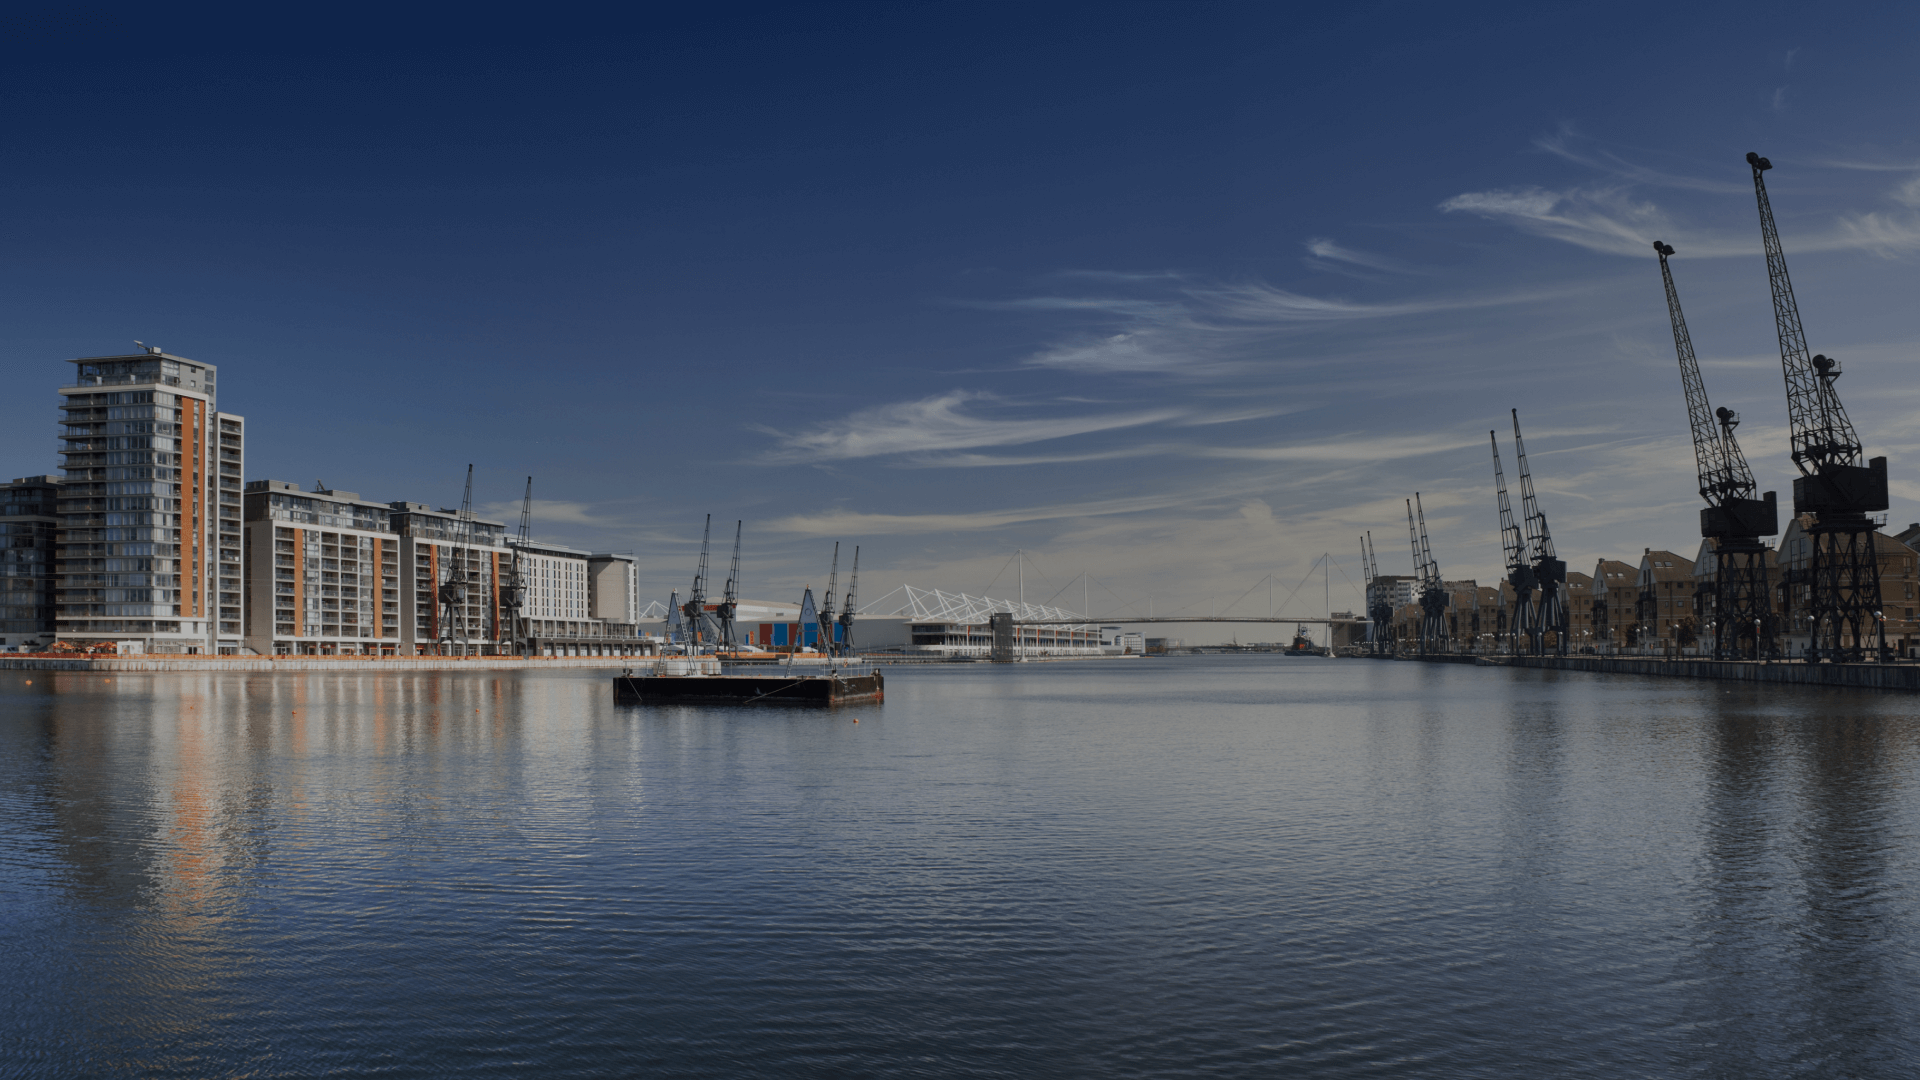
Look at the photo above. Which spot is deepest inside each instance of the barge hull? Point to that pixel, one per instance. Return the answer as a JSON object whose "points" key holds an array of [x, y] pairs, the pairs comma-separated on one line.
{"points": [[751, 689]]}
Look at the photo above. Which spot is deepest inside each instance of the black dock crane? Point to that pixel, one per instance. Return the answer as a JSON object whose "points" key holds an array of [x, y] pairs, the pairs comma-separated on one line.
{"points": [[513, 591], [452, 631], [1550, 610], [1367, 575], [1379, 602], [729, 606], [1839, 587], [1433, 592], [826, 607], [1519, 563], [694, 611], [846, 606], [1741, 594]]}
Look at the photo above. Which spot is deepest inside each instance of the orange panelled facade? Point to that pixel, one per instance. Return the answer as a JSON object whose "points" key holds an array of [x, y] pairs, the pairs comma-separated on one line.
{"points": [[433, 602], [192, 536], [299, 582], [379, 571]]}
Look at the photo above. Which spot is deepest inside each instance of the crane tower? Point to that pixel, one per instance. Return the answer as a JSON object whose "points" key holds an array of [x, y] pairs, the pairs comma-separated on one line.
{"points": [[1519, 563], [845, 643], [1379, 602], [694, 612], [727, 611], [826, 607], [1742, 610], [452, 594], [510, 633], [1549, 570], [1433, 592], [1838, 589]]}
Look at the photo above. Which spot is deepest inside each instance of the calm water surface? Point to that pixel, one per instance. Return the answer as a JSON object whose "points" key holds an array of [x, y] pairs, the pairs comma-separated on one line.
{"points": [[1228, 866]]}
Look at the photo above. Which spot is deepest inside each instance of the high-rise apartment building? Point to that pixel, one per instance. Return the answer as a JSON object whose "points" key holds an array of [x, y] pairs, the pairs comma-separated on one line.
{"points": [[148, 551], [28, 521], [323, 573]]}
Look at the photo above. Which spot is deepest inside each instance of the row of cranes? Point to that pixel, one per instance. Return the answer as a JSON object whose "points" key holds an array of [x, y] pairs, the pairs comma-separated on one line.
{"points": [[454, 636], [1840, 583], [697, 627], [1537, 575], [1837, 588]]}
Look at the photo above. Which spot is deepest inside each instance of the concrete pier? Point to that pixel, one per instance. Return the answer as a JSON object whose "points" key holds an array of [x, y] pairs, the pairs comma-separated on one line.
{"points": [[1790, 673], [317, 663]]}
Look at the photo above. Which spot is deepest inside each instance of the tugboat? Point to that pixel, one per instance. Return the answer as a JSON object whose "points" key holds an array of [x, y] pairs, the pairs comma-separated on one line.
{"points": [[1302, 644]]}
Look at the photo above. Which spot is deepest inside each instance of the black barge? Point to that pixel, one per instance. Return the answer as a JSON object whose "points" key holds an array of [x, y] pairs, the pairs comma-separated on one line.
{"points": [[835, 688]]}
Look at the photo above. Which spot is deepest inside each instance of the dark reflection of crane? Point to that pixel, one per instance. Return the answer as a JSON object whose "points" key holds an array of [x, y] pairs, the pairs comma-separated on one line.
{"points": [[1736, 907], [1842, 838]]}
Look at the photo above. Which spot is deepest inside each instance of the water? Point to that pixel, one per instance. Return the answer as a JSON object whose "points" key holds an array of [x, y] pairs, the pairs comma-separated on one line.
{"points": [[1218, 866]]}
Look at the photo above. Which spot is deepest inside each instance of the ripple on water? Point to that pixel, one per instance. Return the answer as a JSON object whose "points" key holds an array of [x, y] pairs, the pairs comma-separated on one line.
{"points": [[1223, 866]]}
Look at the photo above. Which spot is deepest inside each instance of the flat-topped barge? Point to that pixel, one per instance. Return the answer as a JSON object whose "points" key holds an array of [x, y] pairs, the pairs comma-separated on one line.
{"points": [[704, 683]]}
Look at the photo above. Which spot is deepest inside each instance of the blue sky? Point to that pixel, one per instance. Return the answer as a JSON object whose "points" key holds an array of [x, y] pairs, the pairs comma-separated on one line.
{"points": [[1177, 295]]}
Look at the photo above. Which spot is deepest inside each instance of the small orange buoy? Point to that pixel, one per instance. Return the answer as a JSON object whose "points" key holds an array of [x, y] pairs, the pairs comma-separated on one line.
{"points": [[856, 719]]}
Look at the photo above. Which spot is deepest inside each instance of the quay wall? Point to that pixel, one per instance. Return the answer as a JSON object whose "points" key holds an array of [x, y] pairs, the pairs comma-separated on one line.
{"points": [[1863, 676], [314, 663], [428, 663]]}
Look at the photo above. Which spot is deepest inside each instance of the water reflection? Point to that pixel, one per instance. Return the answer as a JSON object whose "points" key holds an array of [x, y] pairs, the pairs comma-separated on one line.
{"points": [[1280, 866]]}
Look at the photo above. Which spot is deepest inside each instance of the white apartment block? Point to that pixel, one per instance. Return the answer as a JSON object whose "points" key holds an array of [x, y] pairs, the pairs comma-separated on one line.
{"points": [[323, 573], [147, 556], [577, 603], [431, 545]]}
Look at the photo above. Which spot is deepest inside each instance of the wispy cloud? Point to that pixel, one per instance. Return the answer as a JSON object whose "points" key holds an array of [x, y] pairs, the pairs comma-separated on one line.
{"points": [[1869, 166], [1610, 221], [550, 512], [1606, 220], [1208, 330], [1571, 146], [849, 523], [1323, 248], [943, 422]]}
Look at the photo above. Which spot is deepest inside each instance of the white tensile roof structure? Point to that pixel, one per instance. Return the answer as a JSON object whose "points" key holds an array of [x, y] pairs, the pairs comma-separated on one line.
{"points": [[932, 605]]}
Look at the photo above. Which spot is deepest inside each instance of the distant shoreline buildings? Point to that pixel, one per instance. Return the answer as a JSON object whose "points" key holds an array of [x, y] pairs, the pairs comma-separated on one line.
{"points": [[1661, 603], [151, 541]]}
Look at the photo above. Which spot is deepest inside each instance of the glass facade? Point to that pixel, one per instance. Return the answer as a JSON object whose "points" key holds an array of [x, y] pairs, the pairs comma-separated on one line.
{"points": [[148, 544]]}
